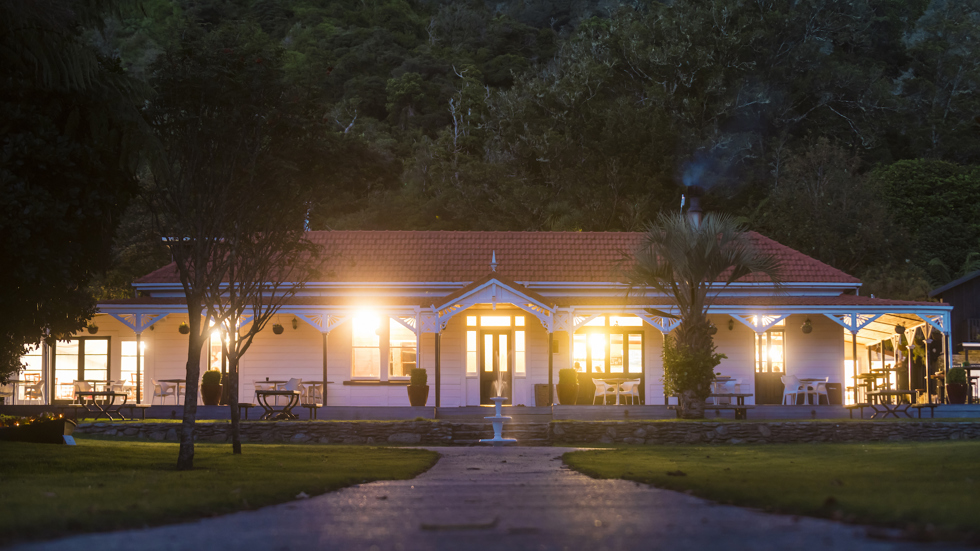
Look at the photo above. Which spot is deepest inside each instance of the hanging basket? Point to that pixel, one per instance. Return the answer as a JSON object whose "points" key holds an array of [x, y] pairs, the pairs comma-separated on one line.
{"points": [[93, 329], [183, 328], [807, 327], [277, 329]]}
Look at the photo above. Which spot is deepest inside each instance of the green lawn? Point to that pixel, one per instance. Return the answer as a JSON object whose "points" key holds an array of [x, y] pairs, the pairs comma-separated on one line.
{"points": [[931, 489], [50, 490]]}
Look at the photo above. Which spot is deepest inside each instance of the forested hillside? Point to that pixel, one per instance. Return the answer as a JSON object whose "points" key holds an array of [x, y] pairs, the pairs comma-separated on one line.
{"points": [[847, 129]]}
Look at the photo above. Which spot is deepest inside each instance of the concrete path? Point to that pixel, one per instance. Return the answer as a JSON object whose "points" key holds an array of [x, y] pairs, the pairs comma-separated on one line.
{"points": [[484, 498]]}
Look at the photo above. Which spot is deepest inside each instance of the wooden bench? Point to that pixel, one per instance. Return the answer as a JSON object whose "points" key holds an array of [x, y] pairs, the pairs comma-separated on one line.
{"points": [[134, 407], [851, 407], [243, 407], [312, 409], [920, 407], [741, 410]]}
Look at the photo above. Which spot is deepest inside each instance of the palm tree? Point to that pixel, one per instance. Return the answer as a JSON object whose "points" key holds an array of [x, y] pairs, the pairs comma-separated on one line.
{"points": [[689, 261]]}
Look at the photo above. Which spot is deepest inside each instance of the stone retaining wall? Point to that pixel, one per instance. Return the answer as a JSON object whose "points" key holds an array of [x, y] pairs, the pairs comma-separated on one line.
{"points": [[324, 432], [679, 432], [430, 433]]}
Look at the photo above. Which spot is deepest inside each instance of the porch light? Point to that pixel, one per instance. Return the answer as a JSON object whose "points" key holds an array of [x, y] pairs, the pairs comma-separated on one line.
{"points": [[807, 327], [731, 324], [295, 323]]}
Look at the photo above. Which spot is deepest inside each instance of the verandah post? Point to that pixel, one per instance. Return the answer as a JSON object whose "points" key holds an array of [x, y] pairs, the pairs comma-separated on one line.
{"points": [[551, 368], [438, 368], [854, 362], [139, 366], [324, 387]]}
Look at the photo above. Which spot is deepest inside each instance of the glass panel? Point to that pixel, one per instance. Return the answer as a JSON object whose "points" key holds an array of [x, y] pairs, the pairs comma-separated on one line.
{"points": [[65, 368], [616, 352], [598, 321], [580, 353], [625, 321], [776, 352], [488, 353], [636, 353], [471, 352], [495, 321], [597, 346], [367, 363], [401, 349], [127, 366], [519, 321], [519, 353], [214, 351], [96, 366], [365, 330], [504, 352], [96, 346], [35, 366], [471, 321]]}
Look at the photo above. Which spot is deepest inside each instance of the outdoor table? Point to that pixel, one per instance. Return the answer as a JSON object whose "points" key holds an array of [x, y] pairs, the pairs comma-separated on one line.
{"points": [[179, 383], [13, 389], [887, 407], [107, 407], [719, 379], [285, 412], [809, 381]]}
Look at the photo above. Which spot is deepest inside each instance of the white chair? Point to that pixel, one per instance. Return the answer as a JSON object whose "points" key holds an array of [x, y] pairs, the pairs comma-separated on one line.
{"points": [[631, 389], [820, 389], [293, 384], [162, 390], [34, 391], [261, 385], [792, 386], [81, 386], [603, 390]]}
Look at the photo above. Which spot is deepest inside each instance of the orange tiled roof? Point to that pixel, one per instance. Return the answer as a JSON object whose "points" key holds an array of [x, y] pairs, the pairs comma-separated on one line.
{"points": [[464, 256]]}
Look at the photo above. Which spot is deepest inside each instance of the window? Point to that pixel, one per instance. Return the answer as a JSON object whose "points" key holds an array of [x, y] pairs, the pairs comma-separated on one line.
{"points": [[216, 356], [34, 363], [84, 359], [519, 352], [471, 351], [770, 352], [609, 345], [366, 346], [127, 366], [496, 323], [401, 350]]}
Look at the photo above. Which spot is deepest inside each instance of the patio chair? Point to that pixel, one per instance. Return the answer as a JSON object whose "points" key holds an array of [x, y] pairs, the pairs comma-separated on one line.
{"points": [[631, 389], [6, 391], [293, 384], [792, 386], [820, 389], [261, 385], [602, 390], [162, 390], [34, 391], [81, 386]]}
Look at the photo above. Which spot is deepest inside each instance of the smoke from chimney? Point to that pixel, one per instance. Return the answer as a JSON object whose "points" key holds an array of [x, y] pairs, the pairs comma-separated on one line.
{"points": [[694, 212]]}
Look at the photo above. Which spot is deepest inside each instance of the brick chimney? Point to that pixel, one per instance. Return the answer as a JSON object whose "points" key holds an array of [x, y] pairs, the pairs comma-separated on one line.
{"points": [[694, 211]]}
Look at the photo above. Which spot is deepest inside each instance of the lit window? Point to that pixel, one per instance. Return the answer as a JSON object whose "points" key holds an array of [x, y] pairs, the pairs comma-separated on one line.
{"points": [[127, 366], [519, 321], [471, 368], [598, 321], [580, 352], [366, 346], [495, 321], [519, 353], [401, 350], [471, 321], [216, 353]]}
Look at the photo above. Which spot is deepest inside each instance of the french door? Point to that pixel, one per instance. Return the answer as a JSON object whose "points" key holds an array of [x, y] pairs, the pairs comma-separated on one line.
{"points": [[770, 366], [608, 353], [496, 369]]}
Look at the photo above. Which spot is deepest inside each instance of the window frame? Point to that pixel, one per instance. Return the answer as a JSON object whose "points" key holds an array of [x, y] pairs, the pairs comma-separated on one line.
{"points": [[81, 356]]}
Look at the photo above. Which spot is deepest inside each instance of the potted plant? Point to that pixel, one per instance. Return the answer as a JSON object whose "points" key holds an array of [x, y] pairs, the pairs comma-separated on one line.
{"points": [[184, 328], [211, 387], [956, 387], [807, 327], [567, 386], [277, 328], [92, 328], [418, 388]]}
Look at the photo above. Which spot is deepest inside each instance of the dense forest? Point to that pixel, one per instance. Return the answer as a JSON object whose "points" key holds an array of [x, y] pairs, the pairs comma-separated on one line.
{"points": [[849, 130]]}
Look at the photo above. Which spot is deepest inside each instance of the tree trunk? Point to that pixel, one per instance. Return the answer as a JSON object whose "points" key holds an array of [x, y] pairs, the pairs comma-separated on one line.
{"points": [[185, 456], [690, 406], [236, 441]]}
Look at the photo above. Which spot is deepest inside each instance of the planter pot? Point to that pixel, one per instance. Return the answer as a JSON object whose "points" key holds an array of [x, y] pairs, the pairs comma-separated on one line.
{"points": [[957, 393], [45, 432], [211, 394], [567, 394], [541, 398], [418, 395]]}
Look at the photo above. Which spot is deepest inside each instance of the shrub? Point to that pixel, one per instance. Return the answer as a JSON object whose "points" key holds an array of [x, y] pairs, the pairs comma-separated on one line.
{"points": [[567, 376], [211, 377], [956, 376], [419, 377], [689, 370]]}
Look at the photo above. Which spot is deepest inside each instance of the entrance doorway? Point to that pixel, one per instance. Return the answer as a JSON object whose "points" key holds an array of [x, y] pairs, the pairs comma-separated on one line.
{"points": [[496, 369], [770, 366], [607, 353]]}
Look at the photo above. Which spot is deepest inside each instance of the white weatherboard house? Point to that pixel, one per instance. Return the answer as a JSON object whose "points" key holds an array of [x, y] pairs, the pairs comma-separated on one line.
{"points": [[471, 306]]}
